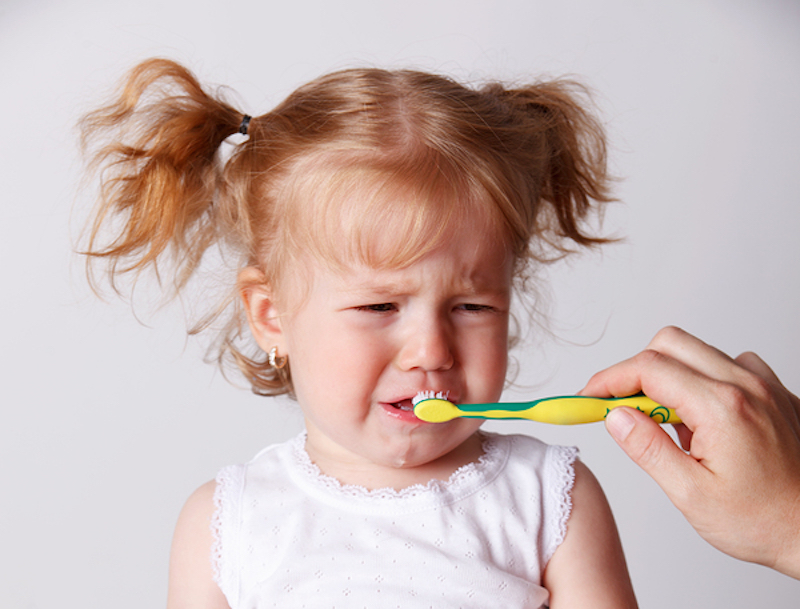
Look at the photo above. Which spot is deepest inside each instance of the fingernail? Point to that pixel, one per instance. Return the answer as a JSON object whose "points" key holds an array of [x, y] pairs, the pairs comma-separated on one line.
{"points": [[619, 423]]}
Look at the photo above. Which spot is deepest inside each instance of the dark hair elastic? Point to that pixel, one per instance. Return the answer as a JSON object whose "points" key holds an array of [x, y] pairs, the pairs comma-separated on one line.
{"points": [[245, 123]]}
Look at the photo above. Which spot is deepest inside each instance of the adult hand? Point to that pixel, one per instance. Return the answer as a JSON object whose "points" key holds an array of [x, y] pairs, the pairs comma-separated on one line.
{"points": [[739, 484]]}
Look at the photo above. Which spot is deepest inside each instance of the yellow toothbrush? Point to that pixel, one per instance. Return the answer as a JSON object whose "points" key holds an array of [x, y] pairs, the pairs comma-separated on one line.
{"points": [[565, 410]]}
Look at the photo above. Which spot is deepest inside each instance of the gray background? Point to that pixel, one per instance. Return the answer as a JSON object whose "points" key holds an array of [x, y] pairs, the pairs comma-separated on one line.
{"points": [[108, 425]]}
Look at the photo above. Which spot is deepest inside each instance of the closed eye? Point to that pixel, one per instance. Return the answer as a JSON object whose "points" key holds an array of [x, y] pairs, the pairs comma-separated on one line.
{"points": [[476, 308], [383, 307]]}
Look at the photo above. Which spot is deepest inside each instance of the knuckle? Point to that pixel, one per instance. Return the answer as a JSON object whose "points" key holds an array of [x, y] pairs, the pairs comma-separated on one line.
{"points": [[748, 356], [760, 388], [734, 397], [667, 335], [650, 357]]}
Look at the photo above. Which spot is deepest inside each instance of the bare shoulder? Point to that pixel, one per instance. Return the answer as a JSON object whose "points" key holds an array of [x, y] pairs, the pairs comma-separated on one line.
{"points": [[588, 569], [191, 583]]}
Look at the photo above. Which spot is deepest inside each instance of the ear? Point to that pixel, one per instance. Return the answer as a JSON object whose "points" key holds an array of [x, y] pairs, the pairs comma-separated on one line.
{"points": [[262, 315]]}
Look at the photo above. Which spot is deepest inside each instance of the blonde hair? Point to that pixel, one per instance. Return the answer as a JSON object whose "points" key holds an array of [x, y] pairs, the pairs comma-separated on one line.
{"points": [[345, 157]]}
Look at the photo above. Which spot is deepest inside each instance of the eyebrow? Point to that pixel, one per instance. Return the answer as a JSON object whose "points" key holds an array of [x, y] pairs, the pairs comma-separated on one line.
{"points": [[380, 289], [391, 288]]}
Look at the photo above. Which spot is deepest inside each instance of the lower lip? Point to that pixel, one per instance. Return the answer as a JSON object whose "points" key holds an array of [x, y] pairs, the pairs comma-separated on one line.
{"points": [[406, 416]]}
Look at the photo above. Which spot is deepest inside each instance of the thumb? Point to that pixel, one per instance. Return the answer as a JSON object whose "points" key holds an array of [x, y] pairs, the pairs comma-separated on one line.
{"points": [[653, 450]]}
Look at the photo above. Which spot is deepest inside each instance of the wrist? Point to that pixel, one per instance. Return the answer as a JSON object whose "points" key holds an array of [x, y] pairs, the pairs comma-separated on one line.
{"points": [[788, 557]]}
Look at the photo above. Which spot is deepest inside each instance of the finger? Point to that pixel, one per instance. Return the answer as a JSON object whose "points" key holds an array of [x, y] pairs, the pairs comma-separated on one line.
{"points": [[653, 450], [665, 380], [791, 410], [619, 380], [696, 354], [750, 361]]}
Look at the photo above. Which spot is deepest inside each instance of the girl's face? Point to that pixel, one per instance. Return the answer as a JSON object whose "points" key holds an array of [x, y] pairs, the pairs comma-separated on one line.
{"points": [[365, 341]]}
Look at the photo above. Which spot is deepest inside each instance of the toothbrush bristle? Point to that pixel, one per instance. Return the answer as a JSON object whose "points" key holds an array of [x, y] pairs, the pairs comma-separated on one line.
{"points": [[429, 395]]}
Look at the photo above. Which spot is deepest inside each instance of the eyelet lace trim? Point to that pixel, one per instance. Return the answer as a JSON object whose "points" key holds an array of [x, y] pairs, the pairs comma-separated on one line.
{"points": [[226, 498], [561, 474], [460, 480]]}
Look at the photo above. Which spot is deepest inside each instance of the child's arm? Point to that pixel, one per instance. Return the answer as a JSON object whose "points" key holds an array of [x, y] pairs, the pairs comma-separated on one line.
{"points": [[191, 585], [588, 569]]}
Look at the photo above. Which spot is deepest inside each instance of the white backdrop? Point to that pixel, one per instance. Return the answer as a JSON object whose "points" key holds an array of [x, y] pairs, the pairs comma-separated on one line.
{"points": [[108, 425]]}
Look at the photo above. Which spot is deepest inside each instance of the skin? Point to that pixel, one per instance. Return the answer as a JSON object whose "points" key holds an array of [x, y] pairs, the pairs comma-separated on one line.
{"points": [[365, 339], [738, 484], [588, 569], [362, 342]]}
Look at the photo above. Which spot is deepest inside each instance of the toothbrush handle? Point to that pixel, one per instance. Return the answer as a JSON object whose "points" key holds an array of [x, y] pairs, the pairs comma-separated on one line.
{"points": [[570, 410]]}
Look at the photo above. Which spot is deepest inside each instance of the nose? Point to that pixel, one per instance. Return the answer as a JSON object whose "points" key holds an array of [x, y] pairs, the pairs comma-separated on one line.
{"points": [[428, 346]]}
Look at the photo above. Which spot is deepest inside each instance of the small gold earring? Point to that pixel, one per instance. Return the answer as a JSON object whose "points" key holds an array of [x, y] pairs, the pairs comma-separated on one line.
{"points": [[274, 360]]}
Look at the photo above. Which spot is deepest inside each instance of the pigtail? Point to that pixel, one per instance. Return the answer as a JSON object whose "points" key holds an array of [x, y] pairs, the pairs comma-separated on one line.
{"points": [[564, 151], [155, 148], [532, 159]]}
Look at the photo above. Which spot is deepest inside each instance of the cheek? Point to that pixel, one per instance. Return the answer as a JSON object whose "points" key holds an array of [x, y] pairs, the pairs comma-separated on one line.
{"points": [[488, 361], [329, 361], [496, 358], [497, 370]]}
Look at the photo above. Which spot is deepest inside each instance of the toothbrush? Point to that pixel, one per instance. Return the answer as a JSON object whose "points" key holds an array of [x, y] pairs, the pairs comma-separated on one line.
{"points": [[565, 410]]}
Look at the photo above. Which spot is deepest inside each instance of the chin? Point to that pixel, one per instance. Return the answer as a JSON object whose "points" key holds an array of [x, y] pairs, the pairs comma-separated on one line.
{"points": [[415, 456]]}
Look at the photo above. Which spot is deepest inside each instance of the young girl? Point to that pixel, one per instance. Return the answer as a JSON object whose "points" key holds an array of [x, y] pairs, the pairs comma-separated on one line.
{"points": [[382, 220]]}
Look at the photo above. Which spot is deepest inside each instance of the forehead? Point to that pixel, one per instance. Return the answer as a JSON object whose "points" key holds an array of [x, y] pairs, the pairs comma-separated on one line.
{"points": [[463, 263], [444, 275], [347, 214]]}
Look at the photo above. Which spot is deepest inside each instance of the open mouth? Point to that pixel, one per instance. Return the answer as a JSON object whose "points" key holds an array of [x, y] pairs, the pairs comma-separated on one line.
{"points": [[405, 405]]}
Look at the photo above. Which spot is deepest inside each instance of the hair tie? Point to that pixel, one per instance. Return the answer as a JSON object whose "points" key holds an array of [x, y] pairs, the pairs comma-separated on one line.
{"points": [[245, 123]]}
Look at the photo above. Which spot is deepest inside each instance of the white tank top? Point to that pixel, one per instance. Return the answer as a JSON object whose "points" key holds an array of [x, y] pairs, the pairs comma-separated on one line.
{"points": [[288, 536]]}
